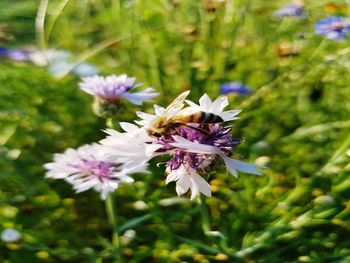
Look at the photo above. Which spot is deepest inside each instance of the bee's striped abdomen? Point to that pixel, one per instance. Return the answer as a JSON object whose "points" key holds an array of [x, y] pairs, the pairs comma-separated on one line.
{"points": [[207, 117]]}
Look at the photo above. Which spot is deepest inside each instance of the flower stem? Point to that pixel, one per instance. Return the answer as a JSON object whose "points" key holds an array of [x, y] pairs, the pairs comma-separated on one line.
{"points": [[204, 215], [112, 218], [205, 221]]}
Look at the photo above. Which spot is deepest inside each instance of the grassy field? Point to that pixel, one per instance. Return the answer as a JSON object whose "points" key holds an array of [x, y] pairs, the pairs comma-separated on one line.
{"points": [[296, 122]]}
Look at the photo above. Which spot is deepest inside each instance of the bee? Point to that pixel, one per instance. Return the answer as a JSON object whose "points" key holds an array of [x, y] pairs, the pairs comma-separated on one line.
{"points": [[174, 116]]}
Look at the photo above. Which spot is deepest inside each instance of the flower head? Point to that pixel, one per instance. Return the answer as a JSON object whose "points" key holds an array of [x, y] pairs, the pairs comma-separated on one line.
{"points": [[193, 146], [86, 168], [193, 152], [292, 10], [235, 87], [112, 88], [333, 27]]}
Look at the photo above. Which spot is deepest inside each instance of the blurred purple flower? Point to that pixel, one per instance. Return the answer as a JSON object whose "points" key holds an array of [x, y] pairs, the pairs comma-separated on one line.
{"points": [[112, 88], [333, 27], [293, 10], [3, 51], [235, 87], [86, 168], [15, 54], [18, 54]]}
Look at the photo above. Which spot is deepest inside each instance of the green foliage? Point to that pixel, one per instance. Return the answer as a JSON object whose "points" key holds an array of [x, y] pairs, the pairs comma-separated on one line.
{"points": [[296, 121]]}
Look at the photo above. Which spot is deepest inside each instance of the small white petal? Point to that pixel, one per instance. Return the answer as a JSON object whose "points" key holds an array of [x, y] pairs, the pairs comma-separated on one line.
{"points": [[193, 105], [173, 176], [205, 102], [219, 104], [183, 184], [129, 127], [194, 147], [202, 185], [233, 165], [159, 110], [145, 116]]}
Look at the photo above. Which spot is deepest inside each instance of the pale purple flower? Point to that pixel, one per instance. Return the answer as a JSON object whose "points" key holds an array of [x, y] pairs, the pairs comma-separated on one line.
{"points": [[333, 27], [86, 168], [235, 87], [292, 10], [112, 88], [15, 54]]}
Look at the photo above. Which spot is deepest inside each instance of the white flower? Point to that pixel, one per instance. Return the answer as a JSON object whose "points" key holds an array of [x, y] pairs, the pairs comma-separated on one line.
{"points": [[10, 235], [192, 146], [216, 107], [131, 147], [112, 88], [86, 168]]}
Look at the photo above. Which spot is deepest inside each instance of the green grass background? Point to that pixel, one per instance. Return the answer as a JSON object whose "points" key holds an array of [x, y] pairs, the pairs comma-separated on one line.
{"points": [[297, 118]]}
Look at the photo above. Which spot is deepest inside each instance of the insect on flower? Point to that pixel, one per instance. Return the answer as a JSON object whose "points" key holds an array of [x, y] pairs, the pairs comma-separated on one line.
{"points": [[195, 137], [174, 116]]}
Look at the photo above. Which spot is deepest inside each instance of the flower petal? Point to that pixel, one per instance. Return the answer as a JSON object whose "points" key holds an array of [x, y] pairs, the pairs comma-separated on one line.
{"points": [[233, 165], [194, 147]]}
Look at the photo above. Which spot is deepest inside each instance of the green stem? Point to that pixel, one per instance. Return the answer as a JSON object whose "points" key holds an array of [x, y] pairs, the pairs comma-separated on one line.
{"points": [[205, 221], [112, 218], [205, 215]]}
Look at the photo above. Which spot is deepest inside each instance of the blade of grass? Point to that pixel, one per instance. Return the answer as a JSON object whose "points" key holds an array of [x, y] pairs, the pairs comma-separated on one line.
{"points": [[57, 12], [40, 23]]}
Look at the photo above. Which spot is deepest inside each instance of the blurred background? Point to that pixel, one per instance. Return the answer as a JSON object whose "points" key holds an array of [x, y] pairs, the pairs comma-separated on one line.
{"points": [[295, 120]]}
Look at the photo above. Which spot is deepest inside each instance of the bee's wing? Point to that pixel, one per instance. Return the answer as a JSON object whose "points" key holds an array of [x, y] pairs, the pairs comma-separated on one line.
{"points": [[178, 103]]}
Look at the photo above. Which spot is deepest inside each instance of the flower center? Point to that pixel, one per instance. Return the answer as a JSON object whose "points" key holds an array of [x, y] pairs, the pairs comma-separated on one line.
{"points": [[95, 168], [208, 134], [338, 26]]}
